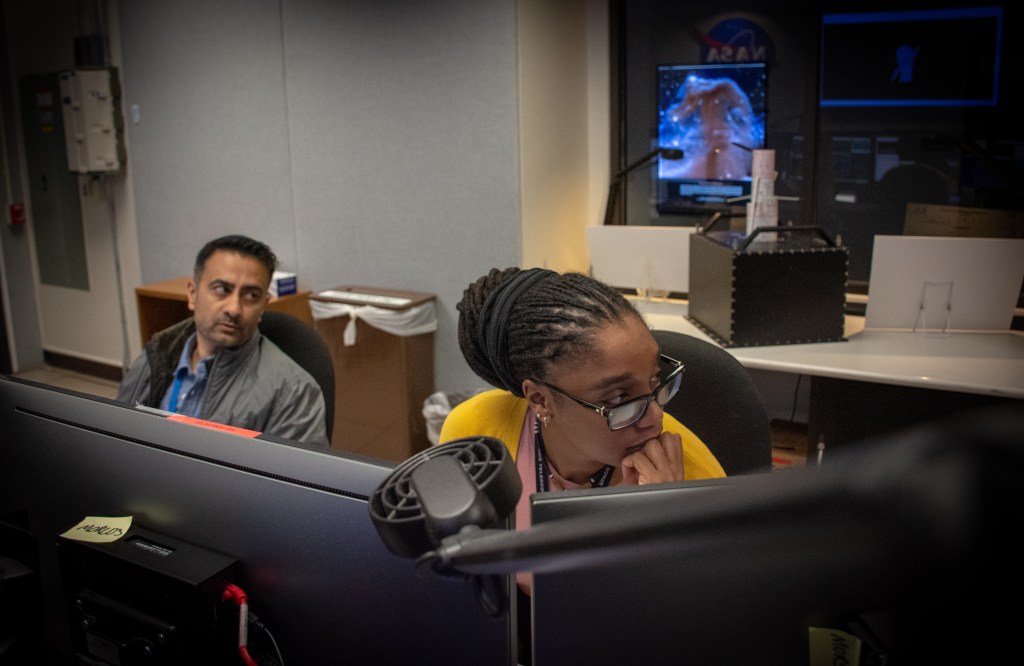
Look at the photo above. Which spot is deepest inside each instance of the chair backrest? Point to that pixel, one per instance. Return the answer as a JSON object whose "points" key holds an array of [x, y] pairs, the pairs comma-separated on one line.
{"points": [[302, 342], [720, 403]]}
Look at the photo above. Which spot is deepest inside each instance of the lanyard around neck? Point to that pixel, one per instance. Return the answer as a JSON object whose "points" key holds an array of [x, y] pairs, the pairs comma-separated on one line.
{"points": [[599, 480], [172, 402]]}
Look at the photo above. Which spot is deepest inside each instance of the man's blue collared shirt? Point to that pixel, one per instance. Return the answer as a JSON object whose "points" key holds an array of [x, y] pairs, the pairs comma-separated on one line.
{"points": [[185, 395]]}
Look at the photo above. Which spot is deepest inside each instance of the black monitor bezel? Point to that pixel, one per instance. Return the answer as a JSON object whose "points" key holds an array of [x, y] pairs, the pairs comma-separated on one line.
{"points": [[295, 518]]}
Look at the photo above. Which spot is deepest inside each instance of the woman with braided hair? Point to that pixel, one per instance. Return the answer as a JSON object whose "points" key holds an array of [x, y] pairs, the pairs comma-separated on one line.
{"points": [[580, 386]]}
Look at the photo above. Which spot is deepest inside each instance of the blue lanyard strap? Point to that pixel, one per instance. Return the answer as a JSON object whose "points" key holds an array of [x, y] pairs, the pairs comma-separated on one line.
{"points": [[172, 403]]}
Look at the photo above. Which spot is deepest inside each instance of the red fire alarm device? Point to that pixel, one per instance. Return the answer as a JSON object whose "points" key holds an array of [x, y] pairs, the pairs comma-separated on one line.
{"points": [[17, 211]]}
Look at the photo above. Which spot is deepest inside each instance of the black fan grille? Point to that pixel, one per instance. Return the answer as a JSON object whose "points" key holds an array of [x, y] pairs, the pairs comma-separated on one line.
{"points": [[396, 498]]}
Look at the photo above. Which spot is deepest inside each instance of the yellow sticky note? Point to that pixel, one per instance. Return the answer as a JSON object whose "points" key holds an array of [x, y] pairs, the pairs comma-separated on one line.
{"points": [[832, 647], [99, 529]]}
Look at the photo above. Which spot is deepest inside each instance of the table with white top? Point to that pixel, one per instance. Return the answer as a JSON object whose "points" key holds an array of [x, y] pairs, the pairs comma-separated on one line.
{"points": [[878, 380]]}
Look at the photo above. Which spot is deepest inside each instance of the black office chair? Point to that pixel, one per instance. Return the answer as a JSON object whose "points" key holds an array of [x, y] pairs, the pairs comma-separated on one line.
{"points": [[302, 342], [720, 403]]}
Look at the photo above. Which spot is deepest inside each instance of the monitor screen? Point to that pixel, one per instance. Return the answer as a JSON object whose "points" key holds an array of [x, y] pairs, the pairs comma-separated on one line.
{"points": [[889, 547], [294, 520], [648, 259], [716, 115], [934, 57]]}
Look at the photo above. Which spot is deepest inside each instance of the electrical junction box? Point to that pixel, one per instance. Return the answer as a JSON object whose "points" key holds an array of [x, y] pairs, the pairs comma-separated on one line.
{"points": [[93, 125]]}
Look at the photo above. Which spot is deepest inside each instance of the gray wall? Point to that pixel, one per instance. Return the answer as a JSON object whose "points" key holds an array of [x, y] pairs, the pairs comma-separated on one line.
{"points": [[370, 143]]}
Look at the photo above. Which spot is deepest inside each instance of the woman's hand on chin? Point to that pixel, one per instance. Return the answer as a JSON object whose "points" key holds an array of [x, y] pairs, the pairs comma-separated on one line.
{"points": [[659, 461]]}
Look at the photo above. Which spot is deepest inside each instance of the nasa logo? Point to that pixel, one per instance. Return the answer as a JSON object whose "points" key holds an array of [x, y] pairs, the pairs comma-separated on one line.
{"points": [[736, 40]]}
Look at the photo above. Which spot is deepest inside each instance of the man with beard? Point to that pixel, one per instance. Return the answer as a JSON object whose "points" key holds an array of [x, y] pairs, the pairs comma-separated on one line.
{"points": [[216, 366]]}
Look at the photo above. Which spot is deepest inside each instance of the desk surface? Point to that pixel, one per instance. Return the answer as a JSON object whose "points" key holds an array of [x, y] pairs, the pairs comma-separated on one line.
{"points": [[983, 363]]}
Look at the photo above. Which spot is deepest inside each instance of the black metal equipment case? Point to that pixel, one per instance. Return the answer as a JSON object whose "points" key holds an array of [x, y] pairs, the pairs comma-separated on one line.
{"points": [[756, 290]]}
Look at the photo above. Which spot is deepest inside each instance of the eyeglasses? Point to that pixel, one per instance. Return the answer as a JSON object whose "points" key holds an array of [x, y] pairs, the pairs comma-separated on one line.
{"points": [[631, 411]]}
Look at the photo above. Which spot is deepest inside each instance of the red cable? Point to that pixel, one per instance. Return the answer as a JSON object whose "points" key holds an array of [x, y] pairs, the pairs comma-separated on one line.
{"points": [[244, 651], [236, 594]]}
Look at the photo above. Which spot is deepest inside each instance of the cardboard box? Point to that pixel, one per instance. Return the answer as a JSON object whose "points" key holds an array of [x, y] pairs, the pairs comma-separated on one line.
{"points": [[933, 220], [381, 382], [747, 292]]}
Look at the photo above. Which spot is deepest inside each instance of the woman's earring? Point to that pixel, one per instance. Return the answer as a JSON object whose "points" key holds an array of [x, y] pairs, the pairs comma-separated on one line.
{"points": [[544, 420]]}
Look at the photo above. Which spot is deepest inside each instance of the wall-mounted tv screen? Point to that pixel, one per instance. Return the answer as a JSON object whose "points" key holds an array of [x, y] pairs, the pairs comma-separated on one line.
{"points": [[716, 115], [938, 57]]}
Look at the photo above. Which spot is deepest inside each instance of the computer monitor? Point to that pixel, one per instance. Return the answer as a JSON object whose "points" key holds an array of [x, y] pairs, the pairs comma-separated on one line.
{"points": [[293, 519], [928, 283], [714, 113], [896, 544], [648, 259], [906, 58]]}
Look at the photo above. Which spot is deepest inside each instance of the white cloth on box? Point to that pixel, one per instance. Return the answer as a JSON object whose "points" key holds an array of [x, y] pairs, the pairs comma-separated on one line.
{"points": [[406, 322]]}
